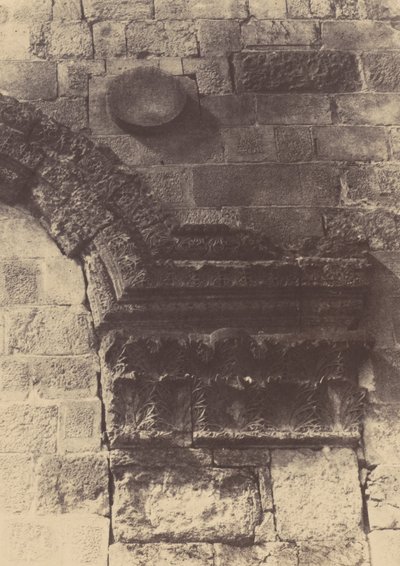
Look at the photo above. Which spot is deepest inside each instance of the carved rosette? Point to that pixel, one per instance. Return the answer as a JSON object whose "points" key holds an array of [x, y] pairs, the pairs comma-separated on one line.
{"points": [[232, 387]]}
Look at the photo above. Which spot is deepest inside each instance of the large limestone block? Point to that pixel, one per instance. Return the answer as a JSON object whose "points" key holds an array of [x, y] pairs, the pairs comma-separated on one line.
{"points": [[317, 494], [161, 555], [185, 505], [271, 554], [385, 548], [384, 497]]}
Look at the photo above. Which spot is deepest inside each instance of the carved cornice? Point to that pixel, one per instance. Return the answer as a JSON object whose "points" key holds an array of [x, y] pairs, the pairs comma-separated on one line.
{"points": [[230, 386]]}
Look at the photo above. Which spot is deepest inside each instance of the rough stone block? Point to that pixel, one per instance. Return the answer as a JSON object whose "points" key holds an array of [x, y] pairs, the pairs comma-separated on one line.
{"points": [[67, 10], [84, 540], [117, 10], [273, 9], [383, 490], [310, 9], [395, 138], [230, 110], [70, 40], [351, 143], [218, 36], [14, 379], [378, 183], [362, 35], [316, 494], [382, 70], [294, 144], [265, 185], [31, 540], [293, 109], [16, 79], [376, 109], [382, 434], [71, 112], [212, 74], [63, 282], [19, 282], [328, 553], [69, 484], [161, 457], [61, 377], [73, 77], [109, 39], [382, 9], [16, 479], [25, 10], [224, 9], [28, 428], [256, 33], [231, 458], [271, 553], [166, 38], [163, 554], [297, 71], [50, 331], [171, 65], [249, 144], [171, 185], [185, 505], [385, 548], [80, 428], [15, 41]]}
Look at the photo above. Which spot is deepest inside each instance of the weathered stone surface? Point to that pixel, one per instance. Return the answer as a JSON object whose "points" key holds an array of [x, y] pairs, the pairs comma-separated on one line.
{"points": [[186, 9], [316, 494], [272, 9], [73, 76], [167, 38], [19, 282], [249, 144], [68, 40], [28, 428], [185, 505], [382, 434], [56, 377], [161, 457], [172, 185], [161, 554], [25, 10], [293, 109], [212, 74], [117, 10], [52, 331], [109, 39], [270, 554], [368, 108], [310, 8], [63, 282], [16, 79], [338, 553], [294, 144], [68, 484], [382, 70], [351, 143], [230, 110], [16, 479], [231, 458], [383, 491], [363, 35], [71, 112], [298, 71], [382, 9], [266, 32], [80, 428], [385, 548], [218, 36], [15, 41], [14, 379], [67, 10]]}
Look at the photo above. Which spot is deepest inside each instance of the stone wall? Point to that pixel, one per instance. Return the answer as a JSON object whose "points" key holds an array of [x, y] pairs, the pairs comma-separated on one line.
{"points": [[292, 128]]}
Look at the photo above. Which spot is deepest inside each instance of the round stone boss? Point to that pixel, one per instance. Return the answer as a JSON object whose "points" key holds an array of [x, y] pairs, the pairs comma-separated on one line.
{"points": [[146, 97]]}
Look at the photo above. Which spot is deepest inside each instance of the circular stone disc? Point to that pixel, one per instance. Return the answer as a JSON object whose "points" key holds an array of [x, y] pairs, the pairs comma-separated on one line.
{"points": [[146, 97]]}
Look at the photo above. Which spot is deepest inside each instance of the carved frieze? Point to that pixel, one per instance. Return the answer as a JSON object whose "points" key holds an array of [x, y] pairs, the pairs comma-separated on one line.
{"points": [[231, 387]]}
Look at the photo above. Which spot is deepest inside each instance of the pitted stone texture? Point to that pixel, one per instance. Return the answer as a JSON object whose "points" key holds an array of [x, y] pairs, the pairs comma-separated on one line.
{"points": [[186, 9], [185, 505], [382, 70], [382, 434], [124, 10], [334, 553], [384, 497], [67, 9], [161, 555], [16, 482], [169, 38], [382, 9], [80, 427], [50, 331], [298, 71], [270, 554], [316, 494], [311, 8], [272, 9], [28, 428], [266, 32], [73, 484], [385, 548]]}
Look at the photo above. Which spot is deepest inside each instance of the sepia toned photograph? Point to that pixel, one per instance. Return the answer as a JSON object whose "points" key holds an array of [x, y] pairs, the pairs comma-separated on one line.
{"points": [[199, 282]]}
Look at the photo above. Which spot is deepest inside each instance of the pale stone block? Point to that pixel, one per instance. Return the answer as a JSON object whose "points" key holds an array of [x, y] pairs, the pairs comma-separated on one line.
{"points": [[382, 434], [267, 8], [162, 554], [16, 483], [109, 39], [270, 554], [384, 497], [67, 10], [385, 548], [80, 428], [317, 494], [63, 282]]}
